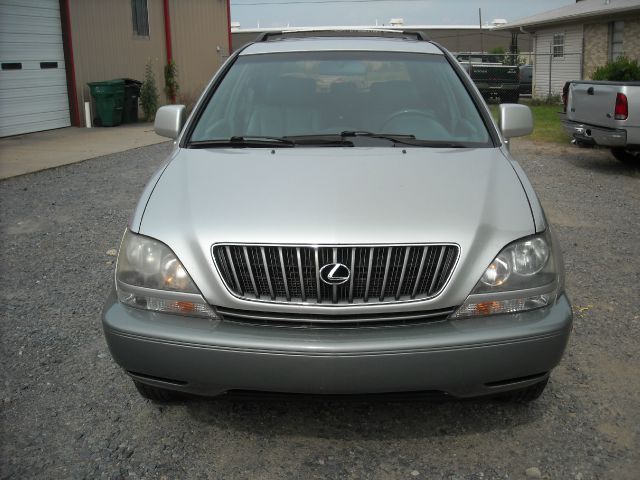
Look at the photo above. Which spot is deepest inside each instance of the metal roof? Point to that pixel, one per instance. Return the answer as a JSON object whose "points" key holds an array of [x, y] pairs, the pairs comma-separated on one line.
{"points": [[576, 12], [320, 44]]}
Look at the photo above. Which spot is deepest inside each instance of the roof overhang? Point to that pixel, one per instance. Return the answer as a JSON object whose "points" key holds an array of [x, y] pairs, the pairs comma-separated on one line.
{"points": [[585, 11]]}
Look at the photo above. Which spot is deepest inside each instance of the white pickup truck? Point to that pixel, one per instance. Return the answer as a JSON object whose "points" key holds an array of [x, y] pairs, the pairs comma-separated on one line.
{"points": [[605, 114]]}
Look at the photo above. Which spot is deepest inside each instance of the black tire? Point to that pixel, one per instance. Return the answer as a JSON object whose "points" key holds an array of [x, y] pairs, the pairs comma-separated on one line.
{"points": [[527, 394], [626, 156], [510, 97], [155, 394]]}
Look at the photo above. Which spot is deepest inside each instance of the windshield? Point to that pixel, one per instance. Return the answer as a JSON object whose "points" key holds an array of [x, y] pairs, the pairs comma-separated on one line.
{"points": [[314, 94]]}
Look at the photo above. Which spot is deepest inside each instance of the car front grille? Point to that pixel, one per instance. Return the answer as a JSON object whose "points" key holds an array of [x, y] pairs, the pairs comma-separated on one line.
{"points": [[307, 320], [378, 274]]}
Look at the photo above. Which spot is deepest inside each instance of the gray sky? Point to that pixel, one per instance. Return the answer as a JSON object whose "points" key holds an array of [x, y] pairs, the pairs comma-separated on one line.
{"points": [[304, 13]]}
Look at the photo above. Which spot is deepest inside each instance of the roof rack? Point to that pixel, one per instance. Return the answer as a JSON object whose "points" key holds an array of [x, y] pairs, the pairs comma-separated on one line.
{"points": [[342, 32]]}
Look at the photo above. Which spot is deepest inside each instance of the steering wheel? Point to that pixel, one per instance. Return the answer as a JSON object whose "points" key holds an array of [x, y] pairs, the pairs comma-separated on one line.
{"points": [[407, 111]]}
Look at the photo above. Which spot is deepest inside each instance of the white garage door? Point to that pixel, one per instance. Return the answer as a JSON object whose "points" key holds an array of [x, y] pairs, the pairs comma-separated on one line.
{"points": [[33, 83]]}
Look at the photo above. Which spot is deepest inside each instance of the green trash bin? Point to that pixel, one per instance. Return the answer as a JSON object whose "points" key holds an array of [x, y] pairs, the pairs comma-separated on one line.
{"points": [[109, 99], [131, 96]]}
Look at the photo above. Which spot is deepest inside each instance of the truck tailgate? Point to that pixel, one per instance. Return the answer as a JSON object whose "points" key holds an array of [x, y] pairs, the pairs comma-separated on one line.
{"points": [[592, 103], [495, 73]]}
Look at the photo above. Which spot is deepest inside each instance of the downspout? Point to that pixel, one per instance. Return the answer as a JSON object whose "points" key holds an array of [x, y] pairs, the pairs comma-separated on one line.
{"points": [[167, 37], [67, 44], [229, 26]]}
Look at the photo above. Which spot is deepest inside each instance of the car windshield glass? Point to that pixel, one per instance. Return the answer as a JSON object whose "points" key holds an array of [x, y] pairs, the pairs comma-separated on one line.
{"points": [[302, 94]]}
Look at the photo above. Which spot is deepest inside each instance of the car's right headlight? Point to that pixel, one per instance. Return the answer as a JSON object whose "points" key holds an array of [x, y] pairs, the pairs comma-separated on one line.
{"points": [[523, 276], [150, 276]]}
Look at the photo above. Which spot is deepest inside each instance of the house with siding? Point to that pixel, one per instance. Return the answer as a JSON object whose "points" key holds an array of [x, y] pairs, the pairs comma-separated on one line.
{"points": [[570, 42], [51, 49]]}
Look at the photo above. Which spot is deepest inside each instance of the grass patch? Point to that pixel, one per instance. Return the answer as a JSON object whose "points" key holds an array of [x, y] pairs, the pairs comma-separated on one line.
{"points": [[546, 123]]}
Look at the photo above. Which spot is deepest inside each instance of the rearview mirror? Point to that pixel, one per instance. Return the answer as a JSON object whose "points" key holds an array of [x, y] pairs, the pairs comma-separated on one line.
{"points": [[170, 120], [515, 120]]}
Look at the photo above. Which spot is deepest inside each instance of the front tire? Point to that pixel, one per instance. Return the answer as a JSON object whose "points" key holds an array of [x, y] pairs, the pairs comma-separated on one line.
{"points": [[155, 394], [626, 156]]}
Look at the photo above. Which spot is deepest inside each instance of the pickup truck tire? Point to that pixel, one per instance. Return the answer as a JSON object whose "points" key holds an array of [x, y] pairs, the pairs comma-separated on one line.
{"points": [[626, 156], [509, 97], [155, 394]]}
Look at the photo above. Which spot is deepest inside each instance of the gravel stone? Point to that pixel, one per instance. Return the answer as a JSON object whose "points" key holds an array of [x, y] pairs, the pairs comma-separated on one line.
{"points": [[533, 472], [69, 412]]}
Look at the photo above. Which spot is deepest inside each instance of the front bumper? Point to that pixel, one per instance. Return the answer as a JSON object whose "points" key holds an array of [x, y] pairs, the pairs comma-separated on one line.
{"points": [[462, 358], [607, 137]]}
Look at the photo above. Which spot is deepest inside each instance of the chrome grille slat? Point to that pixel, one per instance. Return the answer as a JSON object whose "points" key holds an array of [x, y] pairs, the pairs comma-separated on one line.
{"points": [[284, 275], [386, 273], [435, 273], [379, 274], [266, 269], [253, 280], [404, 269], [353, 274], [233, 269], [334, 289], [370, 262], [319, 288], [302, 293], [419, 275]]}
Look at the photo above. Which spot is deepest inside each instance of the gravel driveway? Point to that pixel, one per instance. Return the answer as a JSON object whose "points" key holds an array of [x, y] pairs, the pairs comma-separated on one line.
{"points": [[67, 411]]}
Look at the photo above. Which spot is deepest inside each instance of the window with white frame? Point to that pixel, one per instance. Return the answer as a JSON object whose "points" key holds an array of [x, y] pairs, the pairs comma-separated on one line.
{"points": [[140, 18], [617, 40], [558, 45]]}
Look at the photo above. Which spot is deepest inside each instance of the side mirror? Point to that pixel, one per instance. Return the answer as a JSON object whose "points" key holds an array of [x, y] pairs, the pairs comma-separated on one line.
{"points": [[515, 120], [170, 120]]}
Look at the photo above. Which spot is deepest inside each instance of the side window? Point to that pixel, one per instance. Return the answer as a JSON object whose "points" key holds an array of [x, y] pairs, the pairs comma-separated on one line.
{"points": [[140, 18], [558, 45], [617, 39]]}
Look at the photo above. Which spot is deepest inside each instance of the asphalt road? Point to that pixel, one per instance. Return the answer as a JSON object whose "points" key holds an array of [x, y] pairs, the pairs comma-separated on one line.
{"points": [[67, 411]]}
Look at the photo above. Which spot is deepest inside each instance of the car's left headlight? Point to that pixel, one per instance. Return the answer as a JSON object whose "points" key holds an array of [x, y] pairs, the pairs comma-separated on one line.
{"points": [[150, 276], [523, 276]]}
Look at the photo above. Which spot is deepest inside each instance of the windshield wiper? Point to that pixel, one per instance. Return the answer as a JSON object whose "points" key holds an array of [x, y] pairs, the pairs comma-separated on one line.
{"points": [[243, 142], [400, 138], [405, 139], [322, 140]]}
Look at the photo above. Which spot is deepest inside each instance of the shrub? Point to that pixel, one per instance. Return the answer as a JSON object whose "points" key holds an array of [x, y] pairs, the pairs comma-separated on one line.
{"points": [[621, 70], [149, 93], [171, 86]]}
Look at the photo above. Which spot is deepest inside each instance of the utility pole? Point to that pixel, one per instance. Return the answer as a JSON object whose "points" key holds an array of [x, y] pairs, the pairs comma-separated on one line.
{"points": [[480, 22]]}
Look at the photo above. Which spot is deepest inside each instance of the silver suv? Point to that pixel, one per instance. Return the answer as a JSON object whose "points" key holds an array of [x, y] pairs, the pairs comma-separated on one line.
{"points": [[339, 215]]}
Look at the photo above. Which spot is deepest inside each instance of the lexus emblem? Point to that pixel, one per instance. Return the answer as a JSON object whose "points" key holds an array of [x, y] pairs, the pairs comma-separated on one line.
{"points": [[335, 274]]}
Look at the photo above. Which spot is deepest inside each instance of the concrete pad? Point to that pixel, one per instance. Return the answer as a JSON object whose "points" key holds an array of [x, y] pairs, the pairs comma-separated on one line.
{"points": [[41, 150]]}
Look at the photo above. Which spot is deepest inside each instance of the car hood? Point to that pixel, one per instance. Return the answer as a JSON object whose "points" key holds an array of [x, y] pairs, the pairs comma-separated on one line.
{"points": [[471, 197]]}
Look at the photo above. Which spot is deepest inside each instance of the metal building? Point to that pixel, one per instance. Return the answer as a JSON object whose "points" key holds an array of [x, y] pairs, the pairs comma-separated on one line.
{"points": [[51, 49], [455, 38]]}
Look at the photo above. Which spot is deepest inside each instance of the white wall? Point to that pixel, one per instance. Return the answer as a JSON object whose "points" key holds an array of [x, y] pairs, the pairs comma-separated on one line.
{"points": [[562, 69]]}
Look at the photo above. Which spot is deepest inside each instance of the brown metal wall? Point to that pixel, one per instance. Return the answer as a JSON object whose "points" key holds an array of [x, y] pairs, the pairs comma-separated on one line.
{"points": [[198, 28], [105, 47]]}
